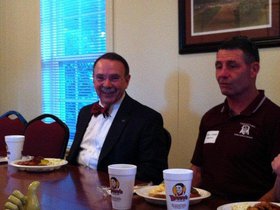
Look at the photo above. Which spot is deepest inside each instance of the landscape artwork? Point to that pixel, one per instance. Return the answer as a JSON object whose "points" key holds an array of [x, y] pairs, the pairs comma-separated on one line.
{"points": [[219, 16]]}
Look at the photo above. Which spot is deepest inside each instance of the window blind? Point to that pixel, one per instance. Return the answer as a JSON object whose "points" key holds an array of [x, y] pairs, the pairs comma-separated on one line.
{"points": [[73, 35]]}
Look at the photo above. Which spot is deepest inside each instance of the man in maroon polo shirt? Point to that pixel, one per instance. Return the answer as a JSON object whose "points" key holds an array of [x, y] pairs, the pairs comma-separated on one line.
{"points": [[239, 138]]}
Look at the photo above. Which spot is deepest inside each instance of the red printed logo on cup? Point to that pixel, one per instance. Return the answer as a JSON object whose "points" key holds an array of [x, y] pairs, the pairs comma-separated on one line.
{"points": [[115, 186], [179, 192]]}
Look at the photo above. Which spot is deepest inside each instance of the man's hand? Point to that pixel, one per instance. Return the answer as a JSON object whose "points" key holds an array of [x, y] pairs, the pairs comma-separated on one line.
{"points": [[276, 165]]}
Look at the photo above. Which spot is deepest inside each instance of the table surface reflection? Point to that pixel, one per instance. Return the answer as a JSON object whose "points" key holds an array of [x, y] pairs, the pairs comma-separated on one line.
{"points": [[74, 187]]}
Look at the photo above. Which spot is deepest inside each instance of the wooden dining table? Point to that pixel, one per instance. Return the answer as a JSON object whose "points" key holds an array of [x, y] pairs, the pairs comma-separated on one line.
{"points": [[77, 188]]}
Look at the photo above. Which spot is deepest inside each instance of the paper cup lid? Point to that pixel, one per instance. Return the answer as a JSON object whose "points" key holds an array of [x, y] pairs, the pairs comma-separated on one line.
{"points": [[177, 174], [122, 169]]}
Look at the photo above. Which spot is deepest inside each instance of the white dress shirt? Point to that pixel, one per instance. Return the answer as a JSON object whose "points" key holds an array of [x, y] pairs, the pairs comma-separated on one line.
{"points": [[95, 135]]}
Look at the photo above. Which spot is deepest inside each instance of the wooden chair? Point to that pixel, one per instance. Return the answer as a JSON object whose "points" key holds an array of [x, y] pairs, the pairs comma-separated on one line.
{"points": [[11, 123], [46, 136]]}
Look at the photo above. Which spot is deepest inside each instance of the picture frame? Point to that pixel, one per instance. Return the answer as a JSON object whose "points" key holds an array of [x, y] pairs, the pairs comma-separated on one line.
{"points": [[203, 25]]}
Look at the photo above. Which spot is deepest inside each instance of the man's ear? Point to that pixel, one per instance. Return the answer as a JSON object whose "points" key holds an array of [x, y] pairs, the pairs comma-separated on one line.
{"points": [[255, 68]]}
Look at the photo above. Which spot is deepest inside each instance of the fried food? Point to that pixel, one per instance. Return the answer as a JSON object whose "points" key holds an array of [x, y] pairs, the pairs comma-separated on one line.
{"points": [[158, 191]]}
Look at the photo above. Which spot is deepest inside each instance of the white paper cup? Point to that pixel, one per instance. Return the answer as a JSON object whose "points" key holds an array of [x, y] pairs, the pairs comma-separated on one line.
{"points": [[122, 177], [14, 147], [177, 188]]}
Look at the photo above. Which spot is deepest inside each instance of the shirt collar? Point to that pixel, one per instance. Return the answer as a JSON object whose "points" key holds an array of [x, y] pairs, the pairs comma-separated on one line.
{"points": [[252, 108]]}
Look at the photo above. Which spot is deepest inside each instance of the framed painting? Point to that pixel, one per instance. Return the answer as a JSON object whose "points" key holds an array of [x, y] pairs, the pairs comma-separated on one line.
{"points": [[204, 24]]}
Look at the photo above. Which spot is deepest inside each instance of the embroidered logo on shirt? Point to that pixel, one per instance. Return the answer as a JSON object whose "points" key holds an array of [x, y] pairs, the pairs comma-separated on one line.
{"points": [[245, 130]]}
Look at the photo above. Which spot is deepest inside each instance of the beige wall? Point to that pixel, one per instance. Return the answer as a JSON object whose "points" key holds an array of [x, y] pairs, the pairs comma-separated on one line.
{"points": [[20, 57], [181, 87]]}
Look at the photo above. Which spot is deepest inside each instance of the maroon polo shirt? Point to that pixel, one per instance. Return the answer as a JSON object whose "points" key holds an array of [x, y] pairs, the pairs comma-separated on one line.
{"points": [[235, 152]]}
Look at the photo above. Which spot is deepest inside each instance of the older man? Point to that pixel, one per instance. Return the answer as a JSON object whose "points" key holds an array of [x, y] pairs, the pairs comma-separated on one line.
{"points": [[123, 130]]}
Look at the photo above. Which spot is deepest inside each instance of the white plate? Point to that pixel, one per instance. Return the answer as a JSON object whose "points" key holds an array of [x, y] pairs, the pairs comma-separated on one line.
{"points": [[240, 205], [54, 164], [144, 192], [3, 159]]}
